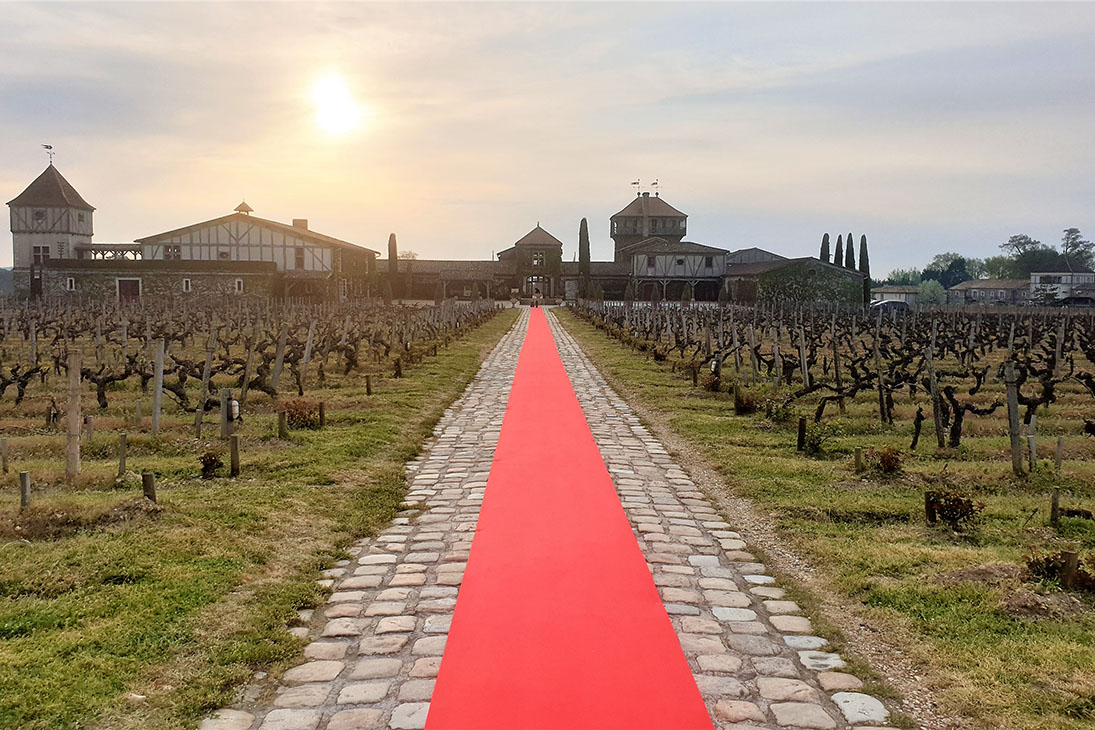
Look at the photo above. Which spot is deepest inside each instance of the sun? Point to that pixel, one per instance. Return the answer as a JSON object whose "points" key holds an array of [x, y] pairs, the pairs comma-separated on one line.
{"points": [[336, 110]]}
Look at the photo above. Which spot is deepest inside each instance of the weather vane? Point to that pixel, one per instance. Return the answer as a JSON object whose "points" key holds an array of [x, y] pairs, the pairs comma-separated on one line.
{"points": [[49, 151], [637, 184]]}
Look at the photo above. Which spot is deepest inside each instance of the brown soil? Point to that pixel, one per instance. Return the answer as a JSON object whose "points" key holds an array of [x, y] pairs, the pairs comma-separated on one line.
{"points": [[43, 523], [993, 574], [1027, 604]]}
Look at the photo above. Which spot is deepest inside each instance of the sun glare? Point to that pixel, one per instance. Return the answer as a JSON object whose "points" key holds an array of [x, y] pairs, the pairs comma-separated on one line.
{"points": [[336, 110]]}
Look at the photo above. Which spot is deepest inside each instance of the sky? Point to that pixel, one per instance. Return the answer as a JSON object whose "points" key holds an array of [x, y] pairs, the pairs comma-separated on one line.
{"points": [[927, 127]]}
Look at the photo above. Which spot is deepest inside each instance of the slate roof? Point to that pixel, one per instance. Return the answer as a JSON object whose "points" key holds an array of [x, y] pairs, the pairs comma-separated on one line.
{"points": [[1065, 265], [992, 284], [304, 233], [50, 190], [655, 206], [538, 237], [660, 245], [598, 268], [452, 269]]}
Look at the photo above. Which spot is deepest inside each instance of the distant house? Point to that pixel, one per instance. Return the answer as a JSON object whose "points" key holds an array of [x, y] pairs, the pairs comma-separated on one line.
{"points": [[1048, 286], [990, 291], [908, 293]]}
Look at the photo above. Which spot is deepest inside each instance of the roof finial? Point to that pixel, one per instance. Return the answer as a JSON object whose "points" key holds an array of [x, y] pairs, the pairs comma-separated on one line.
{"points": [[49, 151], [244, 208]]}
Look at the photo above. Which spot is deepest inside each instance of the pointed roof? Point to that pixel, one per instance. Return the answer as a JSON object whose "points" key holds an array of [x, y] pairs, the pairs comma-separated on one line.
{"points": [[50, 190], [251, 220], [654, 207], [538, 237], [244, 208]]}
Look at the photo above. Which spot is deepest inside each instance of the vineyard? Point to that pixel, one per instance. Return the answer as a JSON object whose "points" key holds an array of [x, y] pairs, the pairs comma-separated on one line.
{"points": [[936, 466], [179, 495]]}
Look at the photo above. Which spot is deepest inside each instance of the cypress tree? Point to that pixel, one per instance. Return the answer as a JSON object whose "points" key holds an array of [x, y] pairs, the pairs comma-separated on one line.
{"points": [[865, 269], [393, 265], [849, 253], [583, 257], [838, 260], [825, 256]]}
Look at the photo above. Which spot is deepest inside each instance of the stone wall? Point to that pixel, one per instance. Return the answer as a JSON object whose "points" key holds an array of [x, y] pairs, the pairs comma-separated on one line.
{"points": [[158, 284]]}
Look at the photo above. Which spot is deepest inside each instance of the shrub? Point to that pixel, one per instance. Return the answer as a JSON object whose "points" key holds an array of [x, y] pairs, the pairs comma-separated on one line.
{"points": [[886, 460], [818, 434], [777, 410], [958, 510], [746, 402], [1050, 568], [210, 462], [710, 382], [302, 413]]}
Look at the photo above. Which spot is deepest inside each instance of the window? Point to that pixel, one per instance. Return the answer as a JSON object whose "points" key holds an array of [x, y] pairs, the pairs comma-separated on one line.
{"points": [[1000, 293], [653, 224], [708, 262], [70, 284], [40, 254], [680, 262], [650, 261], [298, 258], [239, 286], [80, 217], [172, 253], [537, 258], [186, 286], [39, 215]]}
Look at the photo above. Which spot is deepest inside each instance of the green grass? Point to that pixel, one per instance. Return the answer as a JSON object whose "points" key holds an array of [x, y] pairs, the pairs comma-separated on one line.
{"points": [[181, 605], [867, 537]]}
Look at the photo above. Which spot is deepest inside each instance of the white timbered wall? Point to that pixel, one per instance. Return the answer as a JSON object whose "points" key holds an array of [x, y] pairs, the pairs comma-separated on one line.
{"points": [[678, 266], [246, 241], [59, 229]]}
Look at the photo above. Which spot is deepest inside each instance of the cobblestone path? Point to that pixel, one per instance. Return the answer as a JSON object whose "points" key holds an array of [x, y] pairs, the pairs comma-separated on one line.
{"points": [[377, 642]]}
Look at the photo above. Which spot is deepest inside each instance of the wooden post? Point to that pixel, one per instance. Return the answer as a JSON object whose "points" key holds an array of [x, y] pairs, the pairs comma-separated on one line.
{"points": [[1056, 461], [226, 423], [157, 388], [122, 444], [279, 357], [234, 455], [322, 414], [89, 427], [24, 489], [1068, 571], [1033, 451], [1055, 507], [72, 447], [801, 433], [368, 385], [283, 424], [858, 459], [1013, 419], [4, 454], [148, 484], [307, 352], [929, 508]]}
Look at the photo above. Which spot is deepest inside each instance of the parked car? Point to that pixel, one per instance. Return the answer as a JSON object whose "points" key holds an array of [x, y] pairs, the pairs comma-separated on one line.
{"points": [[890, 305]]}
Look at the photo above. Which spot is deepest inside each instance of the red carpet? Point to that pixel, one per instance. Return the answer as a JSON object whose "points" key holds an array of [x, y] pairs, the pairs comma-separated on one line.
{"points": [[558, 625]]}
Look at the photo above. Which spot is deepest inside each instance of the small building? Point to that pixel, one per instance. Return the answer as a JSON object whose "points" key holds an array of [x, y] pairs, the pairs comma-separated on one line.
{"points": [[674, 267], [1050, 286], [643, 218], [537, 258], [908, 293], [1013, 292]]}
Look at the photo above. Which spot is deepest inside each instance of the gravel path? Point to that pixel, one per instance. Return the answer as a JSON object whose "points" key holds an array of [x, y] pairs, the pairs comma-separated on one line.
{"points": [[377, 642]]}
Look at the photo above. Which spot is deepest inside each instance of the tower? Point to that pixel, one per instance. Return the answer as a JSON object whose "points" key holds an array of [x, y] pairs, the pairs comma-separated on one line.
{"points": [[646, 217], [48, 221]]}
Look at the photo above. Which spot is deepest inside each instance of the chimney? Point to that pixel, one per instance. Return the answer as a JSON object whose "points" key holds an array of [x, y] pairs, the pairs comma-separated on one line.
{"points": [[646, 195], [300, 223]]}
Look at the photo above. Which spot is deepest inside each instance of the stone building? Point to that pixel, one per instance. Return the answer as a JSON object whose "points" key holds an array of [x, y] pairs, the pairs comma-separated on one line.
{"points": [[990, 291], [236, 254], [645, 218]]}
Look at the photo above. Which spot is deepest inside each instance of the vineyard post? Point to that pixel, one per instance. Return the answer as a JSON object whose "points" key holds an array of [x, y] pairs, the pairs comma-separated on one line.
{"points": [[802, 357], [753, 355], [125, 338], [1056, 461], [1055, 508], [1058, 351], [234, 454], [122, 443], [24, 490], [283, 424], [1033, 448], [1068, 572], [858, 459], [33, 343], [226, 404], [778, 360], [148, 485], [157, 387], [878, 368], [1010, 382], [322, 414], [801, 433], [252, 343], [72, 447], [4, 454], [89, 427]]}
